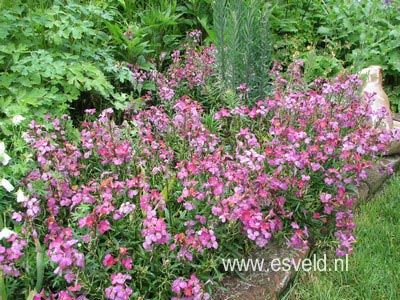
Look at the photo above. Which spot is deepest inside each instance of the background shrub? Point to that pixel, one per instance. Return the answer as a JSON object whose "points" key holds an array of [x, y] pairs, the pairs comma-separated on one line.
{"points": [[48, 58], [241, 35], [332, 35]]}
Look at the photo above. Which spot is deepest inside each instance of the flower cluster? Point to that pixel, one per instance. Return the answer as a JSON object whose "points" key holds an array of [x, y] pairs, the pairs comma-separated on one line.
{"points": [[303, 136], [69, 294], [11, 252], [107, 141], [190, 241], [191, 65], [61, 251], [191, 289], [155, 230], [194, 66], [119, 289]]}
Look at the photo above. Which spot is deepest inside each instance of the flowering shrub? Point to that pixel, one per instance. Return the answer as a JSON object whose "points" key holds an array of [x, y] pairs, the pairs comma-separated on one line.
{"points": [[187, 71], [315, 142], [131, 210]]}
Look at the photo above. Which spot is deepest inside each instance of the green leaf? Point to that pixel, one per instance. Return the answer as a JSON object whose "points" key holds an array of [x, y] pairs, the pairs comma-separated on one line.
{"points": [[203, 21], [32, 97], [3, 290], [5, 129], [324, 31], [151, 86], [395, 33], [3, 33], [394, 60], [39, 267]]}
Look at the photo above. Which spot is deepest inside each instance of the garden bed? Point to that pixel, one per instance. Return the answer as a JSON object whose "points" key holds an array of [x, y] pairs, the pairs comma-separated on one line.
{"points": [[268, 285], [172, 149]]}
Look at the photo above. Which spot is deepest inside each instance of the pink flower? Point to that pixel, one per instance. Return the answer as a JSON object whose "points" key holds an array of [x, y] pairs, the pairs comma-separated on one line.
{"points": [[103, 226], [155, 230], [189, 289], [325, 198], [119, 289], [127, 263], [75, 288], [109, 260], [166, 93], [218, 190]]}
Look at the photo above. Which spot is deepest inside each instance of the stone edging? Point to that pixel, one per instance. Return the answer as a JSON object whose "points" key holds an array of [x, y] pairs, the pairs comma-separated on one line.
{"points": [[268, 284]]}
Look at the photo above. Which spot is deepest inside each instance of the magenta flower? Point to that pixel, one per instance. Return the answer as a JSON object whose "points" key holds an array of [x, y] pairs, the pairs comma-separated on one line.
{"points": [[155, 231], [189, 289], [127, 263], [103, 226], [109, 260], [119, 289]]}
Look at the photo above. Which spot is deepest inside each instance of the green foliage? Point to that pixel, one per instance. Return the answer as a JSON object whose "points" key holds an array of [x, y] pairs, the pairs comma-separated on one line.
{"points": [[332, 35], [366, 33], [197, 12], [317, 63], [129, 40], [50, 56], [293, 26], [162, 24], [242, 39]]}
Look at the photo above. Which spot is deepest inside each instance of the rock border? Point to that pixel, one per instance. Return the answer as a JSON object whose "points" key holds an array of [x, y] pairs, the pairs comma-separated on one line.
{"points": [[269, 284]]}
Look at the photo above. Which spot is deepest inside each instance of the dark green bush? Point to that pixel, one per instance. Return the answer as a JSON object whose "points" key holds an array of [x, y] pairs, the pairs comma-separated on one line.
{"points": [[50, 55]]}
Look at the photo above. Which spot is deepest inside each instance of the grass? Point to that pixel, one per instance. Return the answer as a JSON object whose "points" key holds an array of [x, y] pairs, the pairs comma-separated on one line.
{"points": [[374, 267]]}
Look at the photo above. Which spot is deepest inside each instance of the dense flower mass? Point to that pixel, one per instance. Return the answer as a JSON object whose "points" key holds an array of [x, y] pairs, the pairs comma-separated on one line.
{"points": [[119, 290], [11, 252], [163, 189], [189, 289]]}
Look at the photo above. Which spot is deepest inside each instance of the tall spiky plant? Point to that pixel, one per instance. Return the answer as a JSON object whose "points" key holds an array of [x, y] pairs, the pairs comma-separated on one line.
{"points": [[241, 36]]}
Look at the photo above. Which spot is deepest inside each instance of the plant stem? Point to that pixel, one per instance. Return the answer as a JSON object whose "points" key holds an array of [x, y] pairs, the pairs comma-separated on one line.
{"points": [[39, 268], [3, 291]]}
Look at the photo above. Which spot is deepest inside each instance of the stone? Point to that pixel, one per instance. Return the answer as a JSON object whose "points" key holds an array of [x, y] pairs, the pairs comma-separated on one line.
{"points": [[373, 87], [362, 192], [376, 177], [265, 284]]}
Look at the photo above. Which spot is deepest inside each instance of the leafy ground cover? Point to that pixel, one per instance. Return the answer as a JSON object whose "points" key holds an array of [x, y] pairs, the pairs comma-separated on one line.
{"points": [[373, 269]]}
